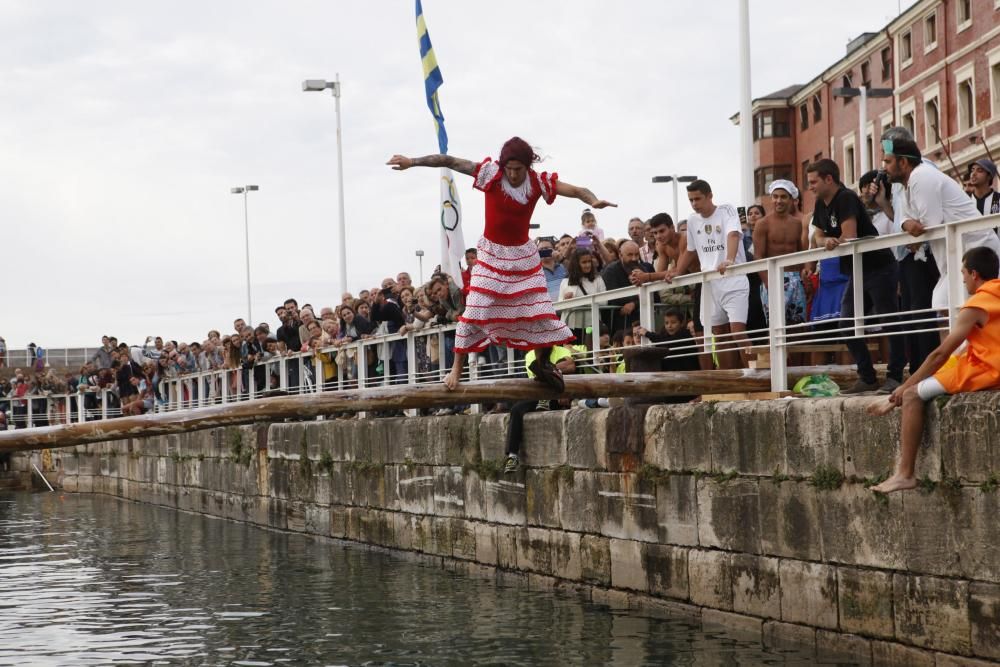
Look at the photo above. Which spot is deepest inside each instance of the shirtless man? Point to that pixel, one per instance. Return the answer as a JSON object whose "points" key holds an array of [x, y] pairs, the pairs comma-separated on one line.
{"points": [[667, 249], [780, 233]]}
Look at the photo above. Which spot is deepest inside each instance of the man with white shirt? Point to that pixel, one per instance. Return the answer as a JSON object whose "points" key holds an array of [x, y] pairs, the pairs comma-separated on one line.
{"points": [[918, 272], [715, 238], [930, 199]]}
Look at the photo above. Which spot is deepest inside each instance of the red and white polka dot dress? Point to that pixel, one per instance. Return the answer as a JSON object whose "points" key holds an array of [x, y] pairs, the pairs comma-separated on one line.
{"points": [[508, 301]]}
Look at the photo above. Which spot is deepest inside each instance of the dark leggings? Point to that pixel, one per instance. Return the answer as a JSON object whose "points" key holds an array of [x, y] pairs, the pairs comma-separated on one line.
{"points": [[515, 431]]}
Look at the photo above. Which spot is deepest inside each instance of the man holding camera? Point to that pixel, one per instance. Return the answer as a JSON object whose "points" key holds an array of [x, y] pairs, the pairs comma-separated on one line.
{"points": [[552, 268], [931, 198]]}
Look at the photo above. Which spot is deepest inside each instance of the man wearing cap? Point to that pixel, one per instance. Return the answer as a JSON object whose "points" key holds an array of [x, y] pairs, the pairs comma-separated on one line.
{"points": [[981, 176], [931, 198], [780, 233]]}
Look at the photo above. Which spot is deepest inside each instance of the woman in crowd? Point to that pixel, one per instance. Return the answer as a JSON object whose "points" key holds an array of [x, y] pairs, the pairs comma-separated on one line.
{"points": [[583, 280], [231, 362]]}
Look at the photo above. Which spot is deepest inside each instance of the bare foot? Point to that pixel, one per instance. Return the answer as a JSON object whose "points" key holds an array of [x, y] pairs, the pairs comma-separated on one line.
{"points": [[451, 380], [881, 408], [895, 483]]}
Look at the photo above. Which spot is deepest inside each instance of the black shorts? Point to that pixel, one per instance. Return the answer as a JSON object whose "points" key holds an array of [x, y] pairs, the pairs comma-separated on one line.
{"points": [[696, 314]]}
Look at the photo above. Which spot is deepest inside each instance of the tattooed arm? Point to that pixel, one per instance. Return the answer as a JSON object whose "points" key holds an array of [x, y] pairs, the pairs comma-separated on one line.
{"points": [[401, 162]]}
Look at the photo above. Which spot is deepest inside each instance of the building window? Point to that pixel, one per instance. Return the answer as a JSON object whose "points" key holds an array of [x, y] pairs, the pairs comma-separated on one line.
{"points": [[849, 171], [909, 122], [931, 122], [866, 74], [964, 9], [846, 83], [817, 109], [906, 48], [886, 63], [771, 123], [763, 177], [930, 32], [966, 105], [804, 117]]}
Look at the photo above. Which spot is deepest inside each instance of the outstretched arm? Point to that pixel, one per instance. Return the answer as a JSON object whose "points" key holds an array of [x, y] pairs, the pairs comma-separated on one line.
{"points": [[583, 194], [401, 162]]}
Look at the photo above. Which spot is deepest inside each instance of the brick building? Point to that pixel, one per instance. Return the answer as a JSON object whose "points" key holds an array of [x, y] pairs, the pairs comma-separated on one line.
{"points": [[941, 58]]}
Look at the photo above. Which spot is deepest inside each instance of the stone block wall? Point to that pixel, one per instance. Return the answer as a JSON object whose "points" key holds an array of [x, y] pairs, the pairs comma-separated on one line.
{"points": [[753, 516]]}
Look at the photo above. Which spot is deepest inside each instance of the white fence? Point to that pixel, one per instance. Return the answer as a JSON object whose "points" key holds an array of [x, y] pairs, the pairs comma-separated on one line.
{"points": [[352, 364]]}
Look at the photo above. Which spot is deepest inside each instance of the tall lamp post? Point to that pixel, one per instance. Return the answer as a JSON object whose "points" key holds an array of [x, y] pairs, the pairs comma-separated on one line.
{"points": [[864, 94], [319, 85], [246, 238], [420, 258], [675, 179]]}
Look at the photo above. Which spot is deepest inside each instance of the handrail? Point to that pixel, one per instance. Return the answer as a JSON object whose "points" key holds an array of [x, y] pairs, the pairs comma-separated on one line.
{"points": [[200, 388]]}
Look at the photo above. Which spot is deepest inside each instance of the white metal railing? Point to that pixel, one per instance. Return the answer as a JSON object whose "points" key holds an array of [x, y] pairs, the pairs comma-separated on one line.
{"points": [[355, 362], [61, 356]]}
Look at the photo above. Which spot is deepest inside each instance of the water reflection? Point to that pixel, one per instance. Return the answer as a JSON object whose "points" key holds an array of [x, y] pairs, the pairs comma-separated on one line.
{"points": [[93, 580]]}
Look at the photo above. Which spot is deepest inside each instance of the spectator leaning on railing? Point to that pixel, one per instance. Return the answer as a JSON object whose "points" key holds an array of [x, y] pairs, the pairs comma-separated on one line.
{"points": [[840, 216], [931, 199]]}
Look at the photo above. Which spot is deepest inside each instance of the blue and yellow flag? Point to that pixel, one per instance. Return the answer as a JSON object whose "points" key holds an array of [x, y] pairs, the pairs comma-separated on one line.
{"points": [[432, 78], [452, 238]]}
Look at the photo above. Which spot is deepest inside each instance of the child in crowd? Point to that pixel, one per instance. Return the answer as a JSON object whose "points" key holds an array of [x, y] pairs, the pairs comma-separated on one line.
{"points": [[677, 341], [588, 225]]}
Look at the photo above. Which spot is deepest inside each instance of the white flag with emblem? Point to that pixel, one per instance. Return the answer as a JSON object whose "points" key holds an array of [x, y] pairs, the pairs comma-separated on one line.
{"points": [[452, 239]]}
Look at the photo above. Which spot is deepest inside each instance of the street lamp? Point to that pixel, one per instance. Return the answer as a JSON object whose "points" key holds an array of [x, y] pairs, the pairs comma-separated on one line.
{"points": [[864, 93], [246, 238], [319, 85], [420, 258], [675, 179]]}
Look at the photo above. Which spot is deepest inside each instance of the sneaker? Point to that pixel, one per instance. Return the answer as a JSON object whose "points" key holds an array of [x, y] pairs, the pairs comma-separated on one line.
{"points": [[860, 387], [543, 406], [890, 386], [511, 464]]}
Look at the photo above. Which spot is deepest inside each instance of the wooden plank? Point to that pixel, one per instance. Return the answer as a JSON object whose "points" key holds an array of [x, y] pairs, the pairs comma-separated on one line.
{"points": [[402, 397]]}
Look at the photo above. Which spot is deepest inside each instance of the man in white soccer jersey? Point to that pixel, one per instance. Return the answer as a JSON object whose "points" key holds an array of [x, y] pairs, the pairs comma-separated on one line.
{"points": [[715, 238]]}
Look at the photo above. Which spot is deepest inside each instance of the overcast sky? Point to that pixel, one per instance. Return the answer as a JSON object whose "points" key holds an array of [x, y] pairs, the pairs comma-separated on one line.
{"points": [[125, 124]]}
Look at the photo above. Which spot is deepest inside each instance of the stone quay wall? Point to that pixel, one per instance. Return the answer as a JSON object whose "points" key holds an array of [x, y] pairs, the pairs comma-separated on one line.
{"points": [[752, 516]]}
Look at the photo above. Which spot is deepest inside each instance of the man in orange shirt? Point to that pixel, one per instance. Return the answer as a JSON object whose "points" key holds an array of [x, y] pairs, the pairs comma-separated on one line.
{"points": [[975, 369]]}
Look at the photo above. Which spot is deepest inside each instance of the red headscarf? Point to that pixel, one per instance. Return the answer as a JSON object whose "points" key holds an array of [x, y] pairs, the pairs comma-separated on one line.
{"points": [[518, 149]]}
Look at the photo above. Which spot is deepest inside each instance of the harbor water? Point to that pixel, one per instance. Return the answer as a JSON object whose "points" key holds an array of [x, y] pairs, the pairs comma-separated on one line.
{"points": [[92, 580]]}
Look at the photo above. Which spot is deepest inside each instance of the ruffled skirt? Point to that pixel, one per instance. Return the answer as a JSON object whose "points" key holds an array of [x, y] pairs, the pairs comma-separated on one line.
{"points": [[508, 302]]}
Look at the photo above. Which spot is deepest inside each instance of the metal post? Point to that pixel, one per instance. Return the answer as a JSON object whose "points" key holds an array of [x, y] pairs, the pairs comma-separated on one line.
{"points": [[776, 316], [246, 239], [676, 210], [104, 403], [340, 188], [858, 294], [746, 119]]}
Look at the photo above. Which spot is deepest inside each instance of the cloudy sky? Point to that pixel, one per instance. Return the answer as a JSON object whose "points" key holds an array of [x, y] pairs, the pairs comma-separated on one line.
{"points": [[124, 125]]}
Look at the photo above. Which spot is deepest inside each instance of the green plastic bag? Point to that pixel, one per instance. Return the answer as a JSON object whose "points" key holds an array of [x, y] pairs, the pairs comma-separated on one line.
{"points": [[816, 385]]}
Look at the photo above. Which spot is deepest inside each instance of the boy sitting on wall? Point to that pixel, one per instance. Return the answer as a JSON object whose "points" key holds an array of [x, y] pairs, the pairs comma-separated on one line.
{"points": [[561, 357], [975, 369]]}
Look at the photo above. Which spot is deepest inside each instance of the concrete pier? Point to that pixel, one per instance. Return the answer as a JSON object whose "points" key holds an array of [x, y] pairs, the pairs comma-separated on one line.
{"points": [[751, 516]]}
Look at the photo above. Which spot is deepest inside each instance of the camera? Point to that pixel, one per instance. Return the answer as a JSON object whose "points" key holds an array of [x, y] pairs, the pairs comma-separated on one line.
{"points": [[882, 182]]}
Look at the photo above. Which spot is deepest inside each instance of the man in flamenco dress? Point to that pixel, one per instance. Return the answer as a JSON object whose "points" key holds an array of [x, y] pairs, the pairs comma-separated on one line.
{"points": [[508, 302]]}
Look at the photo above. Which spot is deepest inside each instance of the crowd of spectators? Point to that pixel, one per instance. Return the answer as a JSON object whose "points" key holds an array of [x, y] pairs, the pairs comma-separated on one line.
{"points": [[578, 264]]}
